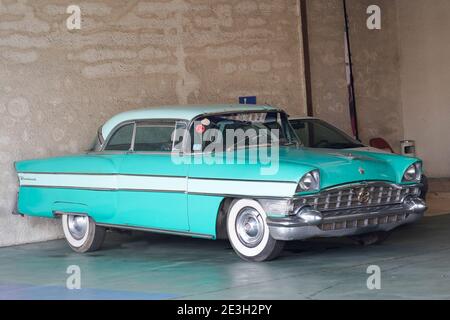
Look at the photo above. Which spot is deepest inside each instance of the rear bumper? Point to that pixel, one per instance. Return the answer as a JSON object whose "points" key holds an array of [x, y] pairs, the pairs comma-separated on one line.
{"points": [[342, 223], [16, 207]]}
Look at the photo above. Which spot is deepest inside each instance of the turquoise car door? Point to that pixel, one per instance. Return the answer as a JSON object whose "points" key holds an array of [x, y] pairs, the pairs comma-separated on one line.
{"points": [[154, 185]]}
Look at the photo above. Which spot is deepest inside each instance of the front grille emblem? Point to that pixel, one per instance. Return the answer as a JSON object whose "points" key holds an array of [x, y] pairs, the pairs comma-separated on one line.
{"points": [[364, 196]]}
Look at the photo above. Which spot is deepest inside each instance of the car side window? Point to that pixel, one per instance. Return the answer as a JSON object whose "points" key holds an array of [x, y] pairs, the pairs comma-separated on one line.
{"points": [[319, 134], [158, 136], [302, 129], [326, 137], [121, 139]]}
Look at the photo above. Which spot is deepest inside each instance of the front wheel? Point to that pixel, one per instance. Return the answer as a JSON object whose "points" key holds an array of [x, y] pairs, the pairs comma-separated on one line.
{"points": [[249, 234], [82, 234]]}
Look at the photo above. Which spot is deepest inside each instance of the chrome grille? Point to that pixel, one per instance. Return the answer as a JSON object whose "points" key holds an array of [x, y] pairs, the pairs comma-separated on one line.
{"points": [[362, 210], [363, 222], [359, 195]]}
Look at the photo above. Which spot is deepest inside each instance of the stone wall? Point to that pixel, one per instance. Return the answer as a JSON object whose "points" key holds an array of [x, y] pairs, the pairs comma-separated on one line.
{"points": [[327, 54], [425, 78], [375, 67], [58, 86]]}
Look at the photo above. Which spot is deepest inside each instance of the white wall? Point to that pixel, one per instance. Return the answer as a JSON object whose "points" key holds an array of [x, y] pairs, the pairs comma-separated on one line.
{"points": [[424, 34]]}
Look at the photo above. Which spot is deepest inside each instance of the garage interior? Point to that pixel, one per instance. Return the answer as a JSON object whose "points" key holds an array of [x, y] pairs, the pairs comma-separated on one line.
{"points": [[57, 86]]}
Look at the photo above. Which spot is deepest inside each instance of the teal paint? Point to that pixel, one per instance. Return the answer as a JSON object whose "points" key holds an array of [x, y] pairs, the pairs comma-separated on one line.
{"points": [[186, 207], [203, 212]]}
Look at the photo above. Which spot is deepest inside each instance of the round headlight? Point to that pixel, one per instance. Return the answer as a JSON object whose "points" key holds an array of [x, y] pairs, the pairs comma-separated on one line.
{"points": [[309, 182], [413, 173]]}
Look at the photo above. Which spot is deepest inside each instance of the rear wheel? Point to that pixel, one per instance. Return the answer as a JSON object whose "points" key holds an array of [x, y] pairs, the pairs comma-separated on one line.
{"points": [[371, 238], [82, 234], [249, 234]]}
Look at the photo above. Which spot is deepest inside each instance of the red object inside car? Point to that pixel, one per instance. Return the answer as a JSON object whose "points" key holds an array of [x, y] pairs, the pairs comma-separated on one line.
{"points": [[380, 143]]}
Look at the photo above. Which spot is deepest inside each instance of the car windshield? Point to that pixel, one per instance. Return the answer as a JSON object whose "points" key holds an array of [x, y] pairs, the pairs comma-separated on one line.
{"points": [[242, 130], [315, 133]]}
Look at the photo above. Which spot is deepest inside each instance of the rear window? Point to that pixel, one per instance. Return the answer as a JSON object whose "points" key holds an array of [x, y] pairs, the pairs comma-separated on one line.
{"points": [[121, 139]]}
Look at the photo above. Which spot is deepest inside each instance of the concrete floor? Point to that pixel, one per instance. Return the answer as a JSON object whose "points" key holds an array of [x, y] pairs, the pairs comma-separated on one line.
{"points": [[438, 198], [414, 262]]}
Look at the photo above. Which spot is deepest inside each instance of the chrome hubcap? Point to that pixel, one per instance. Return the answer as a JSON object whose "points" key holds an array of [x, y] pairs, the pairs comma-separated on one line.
{"points": [[250, 227], [77, 226]]}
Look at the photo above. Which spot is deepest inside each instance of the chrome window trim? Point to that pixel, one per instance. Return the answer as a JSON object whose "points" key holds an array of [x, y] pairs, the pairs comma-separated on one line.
{"points": [[101, 139], [136, 123], [186, 150], [133, 138], [158, 122]]}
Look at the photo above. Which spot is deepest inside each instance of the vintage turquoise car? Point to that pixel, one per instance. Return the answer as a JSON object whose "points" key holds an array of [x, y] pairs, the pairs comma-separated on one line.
{"points": [[195, 171]]}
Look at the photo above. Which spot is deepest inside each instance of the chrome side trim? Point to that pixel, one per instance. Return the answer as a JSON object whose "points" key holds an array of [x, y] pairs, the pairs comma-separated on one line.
{"points": [[127, 227], [154, 183], [224, 195], [104, 189], [166, 191], [61, 213], [156, 230], [155, 175], [243, 180], [105, 174]]}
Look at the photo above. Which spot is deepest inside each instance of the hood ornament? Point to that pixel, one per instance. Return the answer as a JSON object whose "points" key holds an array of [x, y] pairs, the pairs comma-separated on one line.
{"points": [[364, 196], [361, 171]]}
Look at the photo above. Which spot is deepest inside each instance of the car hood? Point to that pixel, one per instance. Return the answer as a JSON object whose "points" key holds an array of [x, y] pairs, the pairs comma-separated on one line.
{"points": [[344, 166], [289, 164], [370, 149]]}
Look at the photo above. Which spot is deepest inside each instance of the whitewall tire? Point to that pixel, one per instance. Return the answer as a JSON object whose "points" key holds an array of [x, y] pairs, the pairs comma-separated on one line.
{"points": [[82, 234], [248, 232]]}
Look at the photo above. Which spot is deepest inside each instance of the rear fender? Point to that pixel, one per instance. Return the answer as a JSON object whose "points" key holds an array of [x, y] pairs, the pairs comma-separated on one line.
{"points": [[60, 207]]}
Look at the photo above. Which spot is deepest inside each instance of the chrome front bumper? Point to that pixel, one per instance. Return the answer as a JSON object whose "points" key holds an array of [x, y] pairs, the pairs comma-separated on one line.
{"points": [[309, 223]]}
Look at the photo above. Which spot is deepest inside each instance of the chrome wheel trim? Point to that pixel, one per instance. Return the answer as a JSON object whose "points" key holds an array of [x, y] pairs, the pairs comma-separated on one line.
{"points": [[250, 227], [78, 226]]}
